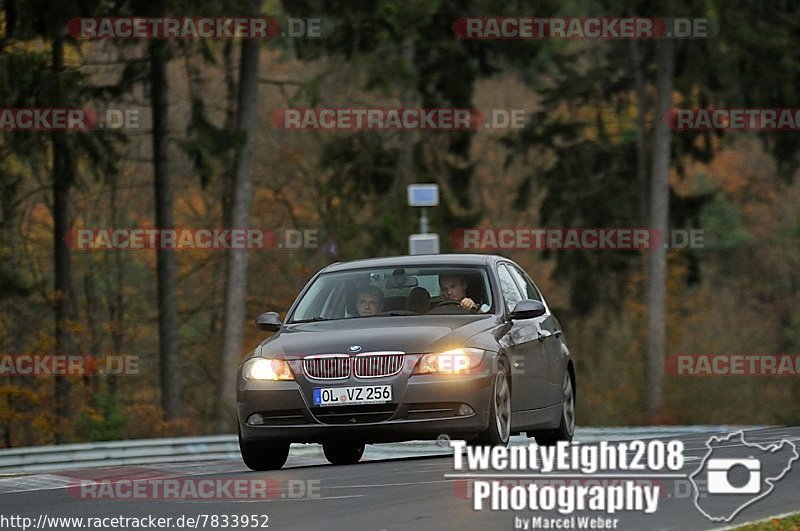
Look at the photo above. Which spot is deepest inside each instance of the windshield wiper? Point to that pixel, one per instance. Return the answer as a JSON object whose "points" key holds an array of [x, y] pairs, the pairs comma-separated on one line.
{"points": [[313, 320]]}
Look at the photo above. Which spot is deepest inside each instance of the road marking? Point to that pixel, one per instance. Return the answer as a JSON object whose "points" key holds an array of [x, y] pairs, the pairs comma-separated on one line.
{"points": [[577, 475], [385, 484], [753, 522]]}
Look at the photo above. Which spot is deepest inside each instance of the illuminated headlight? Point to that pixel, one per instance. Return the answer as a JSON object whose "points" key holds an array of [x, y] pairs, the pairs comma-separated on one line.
{"points": [[456, 361], [266, 369]]}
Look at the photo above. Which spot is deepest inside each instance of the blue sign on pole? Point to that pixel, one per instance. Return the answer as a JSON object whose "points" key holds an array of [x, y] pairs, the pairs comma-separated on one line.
{"points": [[423, 195]]}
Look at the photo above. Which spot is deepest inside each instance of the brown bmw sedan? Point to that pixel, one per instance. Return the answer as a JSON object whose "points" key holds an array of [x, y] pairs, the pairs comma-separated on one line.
{"points": [[403, 348]]}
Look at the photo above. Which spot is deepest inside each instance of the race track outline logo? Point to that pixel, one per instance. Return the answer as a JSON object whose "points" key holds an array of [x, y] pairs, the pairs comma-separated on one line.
{"points": [[722, 496]]}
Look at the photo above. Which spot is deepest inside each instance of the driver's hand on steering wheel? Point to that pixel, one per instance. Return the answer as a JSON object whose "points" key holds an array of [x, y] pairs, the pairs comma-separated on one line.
{"points": [[468, 304]]}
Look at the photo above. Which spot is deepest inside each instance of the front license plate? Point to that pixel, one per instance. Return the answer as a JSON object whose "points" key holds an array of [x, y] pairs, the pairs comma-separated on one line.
{"points": [[343, 396]]}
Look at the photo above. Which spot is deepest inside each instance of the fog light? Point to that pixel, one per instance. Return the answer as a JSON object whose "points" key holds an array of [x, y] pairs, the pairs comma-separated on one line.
{"points": [[464, 409], [255, 419]]}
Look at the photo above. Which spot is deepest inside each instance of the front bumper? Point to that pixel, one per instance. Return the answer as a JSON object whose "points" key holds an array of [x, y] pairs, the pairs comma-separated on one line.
{"points": [[424, 407]]}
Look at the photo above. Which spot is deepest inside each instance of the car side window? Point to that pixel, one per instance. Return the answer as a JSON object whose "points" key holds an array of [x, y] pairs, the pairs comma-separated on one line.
{"points": [[509, 288], [529, 290]]}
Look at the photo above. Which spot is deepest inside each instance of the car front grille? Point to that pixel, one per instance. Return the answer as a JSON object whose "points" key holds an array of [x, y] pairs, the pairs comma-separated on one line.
{"points": [[329, 367], [340, 366], [377, 365]]}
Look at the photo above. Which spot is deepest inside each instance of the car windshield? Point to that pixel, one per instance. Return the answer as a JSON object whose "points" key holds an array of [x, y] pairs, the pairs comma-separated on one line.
{"points": [[395, 291]]}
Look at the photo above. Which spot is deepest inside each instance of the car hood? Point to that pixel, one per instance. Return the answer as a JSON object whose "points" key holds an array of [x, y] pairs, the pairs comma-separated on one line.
{"points": [[409, 334]]}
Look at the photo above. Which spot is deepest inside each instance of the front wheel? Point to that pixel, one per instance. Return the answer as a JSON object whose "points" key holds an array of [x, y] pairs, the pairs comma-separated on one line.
{"points": [[499, 429], [261, 456], [566, 429], [343, 453]]}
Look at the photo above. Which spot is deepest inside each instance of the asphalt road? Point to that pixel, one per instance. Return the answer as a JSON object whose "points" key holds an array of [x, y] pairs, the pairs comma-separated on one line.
{"points": [[382, 492]]}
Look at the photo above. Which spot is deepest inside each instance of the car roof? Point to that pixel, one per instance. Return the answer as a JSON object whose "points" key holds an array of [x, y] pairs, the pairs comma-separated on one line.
{"points": [[416, 260]]}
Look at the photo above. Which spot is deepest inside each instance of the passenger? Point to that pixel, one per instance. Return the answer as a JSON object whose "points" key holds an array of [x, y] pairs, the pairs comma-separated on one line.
{"points": [[369, 301], [419, 300], [454, 289]]}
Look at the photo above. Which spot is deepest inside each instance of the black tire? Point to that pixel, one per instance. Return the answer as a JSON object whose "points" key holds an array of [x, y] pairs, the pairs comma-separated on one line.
{"points": [[261, 456], [499, 430], [566, 429], [343, 453]]}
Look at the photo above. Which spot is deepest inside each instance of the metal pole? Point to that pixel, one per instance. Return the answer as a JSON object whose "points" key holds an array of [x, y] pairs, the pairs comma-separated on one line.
{"points": [[423, 221]]}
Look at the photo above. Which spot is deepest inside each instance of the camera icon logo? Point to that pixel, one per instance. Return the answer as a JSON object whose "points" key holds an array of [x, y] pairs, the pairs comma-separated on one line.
{"points": [[718, 476], [737, 472]]}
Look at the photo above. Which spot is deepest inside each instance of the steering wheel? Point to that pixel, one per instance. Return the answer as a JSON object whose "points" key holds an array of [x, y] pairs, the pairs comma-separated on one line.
{"points": [[398, 312], [445, 303], [444, 308]]}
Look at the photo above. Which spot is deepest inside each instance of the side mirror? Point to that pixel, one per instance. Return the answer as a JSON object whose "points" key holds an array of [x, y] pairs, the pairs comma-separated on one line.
{"points": [[527, 309], [269, 322]]}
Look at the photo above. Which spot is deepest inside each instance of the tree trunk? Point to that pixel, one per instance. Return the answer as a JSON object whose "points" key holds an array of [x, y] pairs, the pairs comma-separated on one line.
{"points": [[62, 181], [241, 194], [397, 198], [659, 203], [406, 166], [165, 259], [641, 155], [114, 294]]}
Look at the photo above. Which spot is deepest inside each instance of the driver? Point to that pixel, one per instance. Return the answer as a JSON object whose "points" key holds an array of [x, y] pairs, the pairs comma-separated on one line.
{"points": [[454, 289], [369, 301]]}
